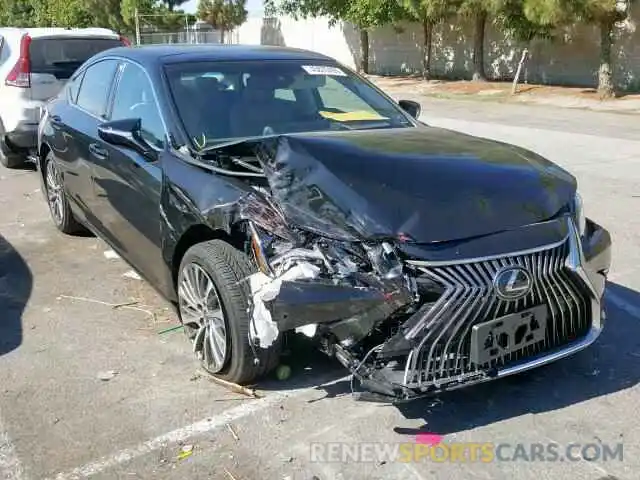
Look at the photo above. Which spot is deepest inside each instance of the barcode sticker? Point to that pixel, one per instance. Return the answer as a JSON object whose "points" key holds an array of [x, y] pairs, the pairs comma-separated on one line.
{"points": [[324, 70]]}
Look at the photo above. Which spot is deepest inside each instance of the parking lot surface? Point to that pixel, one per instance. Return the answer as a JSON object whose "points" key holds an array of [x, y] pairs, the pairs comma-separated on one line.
{"points": [[92, 384]]}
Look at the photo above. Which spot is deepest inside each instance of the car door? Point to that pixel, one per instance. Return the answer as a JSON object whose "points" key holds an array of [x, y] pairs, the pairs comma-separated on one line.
{"points": [[127, 184], [76, 126]]}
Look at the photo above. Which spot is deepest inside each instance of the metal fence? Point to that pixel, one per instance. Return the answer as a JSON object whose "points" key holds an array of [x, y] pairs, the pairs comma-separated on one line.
{"points": [[191, 36]]}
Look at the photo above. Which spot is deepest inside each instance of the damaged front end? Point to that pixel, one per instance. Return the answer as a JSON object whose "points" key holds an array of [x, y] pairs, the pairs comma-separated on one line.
{"points": [[407, 326], [350, 297], [407, 313]]}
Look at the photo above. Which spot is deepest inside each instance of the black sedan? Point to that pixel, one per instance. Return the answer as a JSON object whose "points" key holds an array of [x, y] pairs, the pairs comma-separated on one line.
{"points": [[265, 191]]}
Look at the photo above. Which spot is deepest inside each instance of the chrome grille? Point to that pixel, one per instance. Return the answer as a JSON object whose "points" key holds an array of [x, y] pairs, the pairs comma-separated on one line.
{"points": [[470, 299]]}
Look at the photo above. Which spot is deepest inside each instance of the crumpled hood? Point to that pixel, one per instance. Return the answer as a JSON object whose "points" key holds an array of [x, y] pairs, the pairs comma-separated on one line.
{"points": [[427, 184]]}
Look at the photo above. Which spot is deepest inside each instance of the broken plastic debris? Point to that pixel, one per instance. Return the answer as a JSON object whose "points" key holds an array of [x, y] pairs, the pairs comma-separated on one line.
{"points": [[111, 255], [308, 330], [265, 289], [133, 275], [107, 375], [185, 451]]}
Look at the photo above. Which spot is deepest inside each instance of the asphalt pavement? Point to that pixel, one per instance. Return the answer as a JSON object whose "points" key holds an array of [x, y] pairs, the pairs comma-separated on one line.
{"points": [[90, 387]]}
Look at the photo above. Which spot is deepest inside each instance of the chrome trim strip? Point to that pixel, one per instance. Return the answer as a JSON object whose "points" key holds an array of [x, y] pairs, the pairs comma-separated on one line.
{"points": [[448, 263]]}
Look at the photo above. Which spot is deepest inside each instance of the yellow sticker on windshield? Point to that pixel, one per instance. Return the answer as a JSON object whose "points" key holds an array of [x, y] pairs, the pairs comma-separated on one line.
{"points": [[352, 116]]}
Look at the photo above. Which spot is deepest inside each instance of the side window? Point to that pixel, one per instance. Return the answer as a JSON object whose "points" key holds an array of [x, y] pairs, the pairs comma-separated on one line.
{"points": [[134, 99], [94, 89], [336, 96], [74, 87]]}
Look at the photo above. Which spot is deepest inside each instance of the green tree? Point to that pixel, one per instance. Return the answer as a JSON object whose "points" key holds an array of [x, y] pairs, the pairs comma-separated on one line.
{"points": [[128, 11], [511, 17], [65, 13], [107, 13], [172, 4], [369, 14], [604, 14], [223, 15], [364, 14], [429, 13], [170, 20], [15, 13], [479, 11]]}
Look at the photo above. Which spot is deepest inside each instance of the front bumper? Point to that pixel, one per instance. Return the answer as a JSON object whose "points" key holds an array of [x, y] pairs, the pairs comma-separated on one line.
{"points": [[430, 352]]}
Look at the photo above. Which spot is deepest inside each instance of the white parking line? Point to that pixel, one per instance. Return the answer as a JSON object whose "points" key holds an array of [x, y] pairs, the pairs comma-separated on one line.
{"points": [[182, 434], [10, 466], [622, 304]]}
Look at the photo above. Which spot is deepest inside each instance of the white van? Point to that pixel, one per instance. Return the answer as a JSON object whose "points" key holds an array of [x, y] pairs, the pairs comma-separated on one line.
{"points": [[35, 63]]}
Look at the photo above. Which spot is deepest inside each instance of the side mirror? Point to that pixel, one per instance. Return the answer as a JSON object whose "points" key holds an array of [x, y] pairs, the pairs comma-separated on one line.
{"points": [[126, 133], [412, 108]]}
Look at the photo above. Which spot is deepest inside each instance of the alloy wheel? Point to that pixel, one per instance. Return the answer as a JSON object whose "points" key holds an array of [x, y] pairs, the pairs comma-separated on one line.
{"points": [[55, 194], [202, 315]]}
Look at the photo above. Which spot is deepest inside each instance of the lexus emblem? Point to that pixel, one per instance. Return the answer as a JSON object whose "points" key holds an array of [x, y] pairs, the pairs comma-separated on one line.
{"points": [[512, 283]]}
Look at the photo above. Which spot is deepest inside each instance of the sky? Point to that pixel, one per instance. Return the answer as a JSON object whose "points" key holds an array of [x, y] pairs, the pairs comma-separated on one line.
{"points": [[252, 6]]}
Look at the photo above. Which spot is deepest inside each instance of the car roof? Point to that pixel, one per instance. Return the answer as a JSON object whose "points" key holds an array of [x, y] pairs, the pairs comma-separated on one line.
{"points": [[59, 32], [153, 54]]}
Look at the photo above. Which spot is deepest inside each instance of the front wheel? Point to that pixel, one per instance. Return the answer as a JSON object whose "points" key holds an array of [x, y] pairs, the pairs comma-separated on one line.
{"points": [[213, 301]]}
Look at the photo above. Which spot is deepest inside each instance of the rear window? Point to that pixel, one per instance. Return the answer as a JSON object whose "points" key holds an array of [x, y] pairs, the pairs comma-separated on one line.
{"points": [[63, 56]]}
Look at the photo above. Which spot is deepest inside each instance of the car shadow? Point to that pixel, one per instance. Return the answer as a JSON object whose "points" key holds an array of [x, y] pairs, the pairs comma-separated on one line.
{"points": [[608, 366], [16, 283], [310, 368], [26, 166]]}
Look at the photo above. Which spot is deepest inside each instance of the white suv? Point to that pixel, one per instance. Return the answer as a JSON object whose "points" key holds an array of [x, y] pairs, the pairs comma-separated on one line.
{"points": [[35, 63]]}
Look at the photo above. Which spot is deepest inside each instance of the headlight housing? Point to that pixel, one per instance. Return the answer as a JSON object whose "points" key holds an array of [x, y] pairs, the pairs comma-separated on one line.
{"points": [[578, 214], [333, 258]]}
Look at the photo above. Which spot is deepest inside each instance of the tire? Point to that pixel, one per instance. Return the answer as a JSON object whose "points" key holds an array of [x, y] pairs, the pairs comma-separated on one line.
{"points": [[61, 213], [226, 267]]}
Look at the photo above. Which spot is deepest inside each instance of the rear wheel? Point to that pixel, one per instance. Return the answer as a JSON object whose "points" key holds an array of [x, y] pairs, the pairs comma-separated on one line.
{"points": [[59, 208], [213, 301]]}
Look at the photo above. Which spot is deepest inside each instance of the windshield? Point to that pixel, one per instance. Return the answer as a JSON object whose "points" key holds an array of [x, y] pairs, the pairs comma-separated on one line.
{"points": [[218, 101]]}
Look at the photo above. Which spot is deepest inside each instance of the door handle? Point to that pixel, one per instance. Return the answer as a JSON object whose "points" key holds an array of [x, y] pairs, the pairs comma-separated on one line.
{"points": [[97, 151]]}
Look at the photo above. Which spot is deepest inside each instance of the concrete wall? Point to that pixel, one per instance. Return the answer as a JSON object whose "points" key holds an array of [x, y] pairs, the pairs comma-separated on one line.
{"points": [[570, 60]]}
